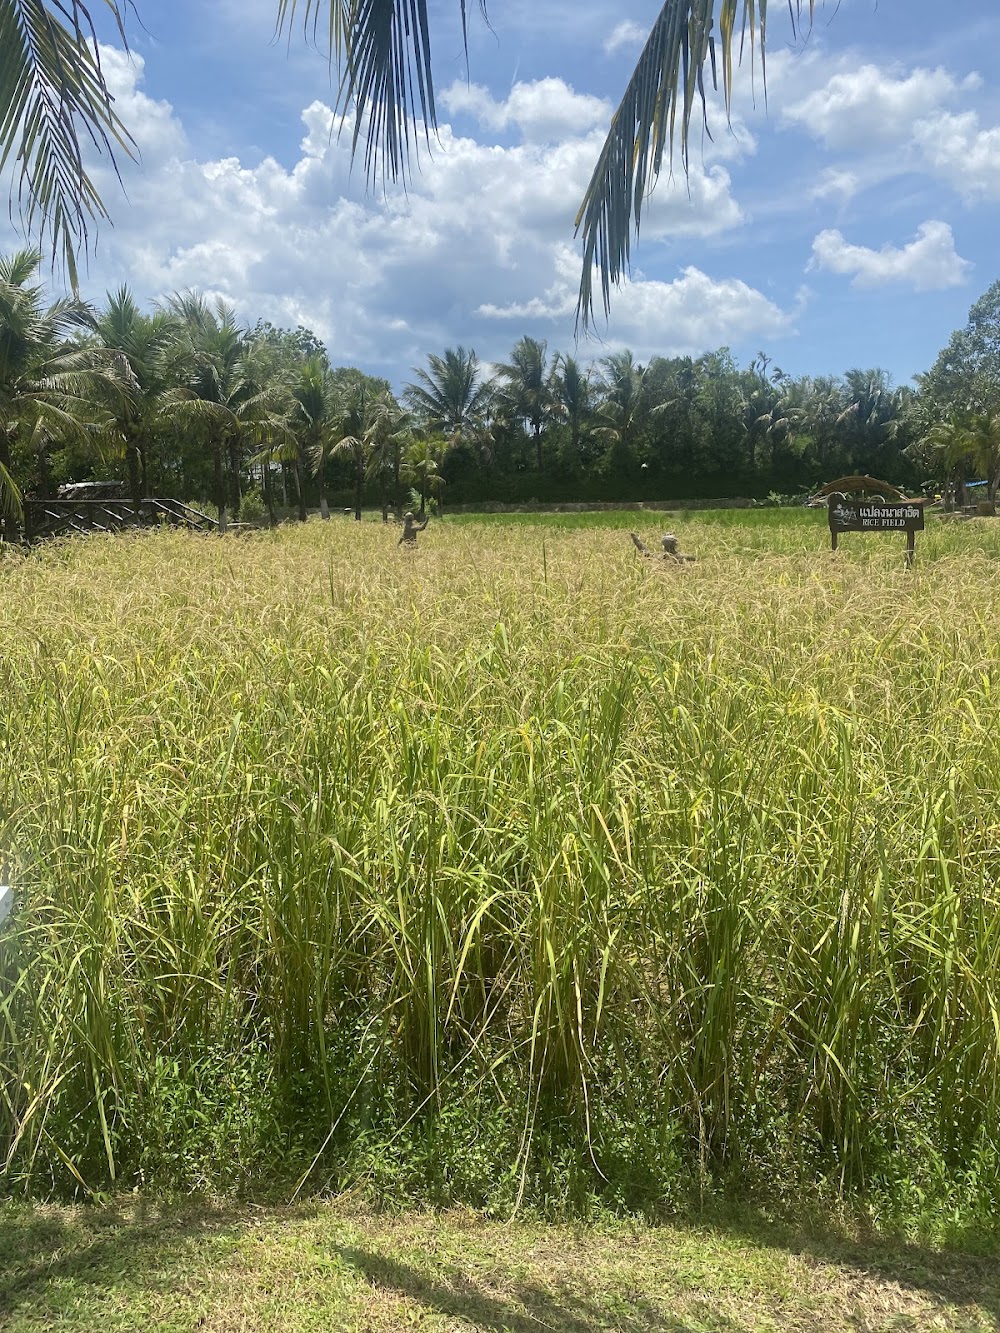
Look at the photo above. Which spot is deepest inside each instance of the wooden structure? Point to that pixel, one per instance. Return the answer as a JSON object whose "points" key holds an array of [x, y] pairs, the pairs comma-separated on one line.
{"points": [[865, 504], [60, 518], [857, 487]]}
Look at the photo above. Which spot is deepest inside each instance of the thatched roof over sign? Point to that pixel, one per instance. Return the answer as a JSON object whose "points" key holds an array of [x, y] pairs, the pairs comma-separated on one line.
{"points": [[859, 486]]}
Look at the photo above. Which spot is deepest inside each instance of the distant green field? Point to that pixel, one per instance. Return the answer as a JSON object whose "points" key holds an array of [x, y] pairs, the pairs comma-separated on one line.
{"points": [[514, 870], [635, 518]]}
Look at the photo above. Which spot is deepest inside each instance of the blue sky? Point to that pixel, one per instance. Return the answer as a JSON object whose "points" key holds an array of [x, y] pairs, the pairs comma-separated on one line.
{"points": [[850, 223]]}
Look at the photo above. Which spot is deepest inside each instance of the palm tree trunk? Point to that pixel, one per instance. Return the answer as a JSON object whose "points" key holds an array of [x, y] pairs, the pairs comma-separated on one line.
{"points": [[538, 446], [301, 491], [44, 473], [132, 467], [359, 491], [220, 482], [235, 492], [267, 485]]}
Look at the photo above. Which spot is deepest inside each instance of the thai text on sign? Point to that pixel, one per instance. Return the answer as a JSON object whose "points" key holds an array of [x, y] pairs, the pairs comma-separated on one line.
{"points": [[857, 516]]}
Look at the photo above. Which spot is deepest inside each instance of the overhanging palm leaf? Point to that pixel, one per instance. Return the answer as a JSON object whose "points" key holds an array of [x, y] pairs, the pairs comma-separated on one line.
{"points": [[51, 87], [659, 100], [382, 49]]}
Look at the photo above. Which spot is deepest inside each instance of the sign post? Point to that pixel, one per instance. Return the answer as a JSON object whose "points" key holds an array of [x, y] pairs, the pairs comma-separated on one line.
{"points": [[874, 516]]}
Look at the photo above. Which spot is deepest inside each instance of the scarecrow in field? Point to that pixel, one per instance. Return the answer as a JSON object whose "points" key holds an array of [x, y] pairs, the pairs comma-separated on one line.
{"points": [[410, 529], [671, 549]]}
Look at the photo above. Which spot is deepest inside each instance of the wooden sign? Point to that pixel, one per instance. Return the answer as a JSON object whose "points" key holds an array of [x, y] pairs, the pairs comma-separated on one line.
{"points": [[874, 516]]}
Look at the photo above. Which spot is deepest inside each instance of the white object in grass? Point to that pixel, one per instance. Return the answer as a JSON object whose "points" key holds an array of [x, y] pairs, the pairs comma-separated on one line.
{"points": [[6, 902]]}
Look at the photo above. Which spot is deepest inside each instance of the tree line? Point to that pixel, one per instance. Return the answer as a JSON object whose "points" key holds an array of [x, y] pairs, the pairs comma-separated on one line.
{"points": [[185, 401]]}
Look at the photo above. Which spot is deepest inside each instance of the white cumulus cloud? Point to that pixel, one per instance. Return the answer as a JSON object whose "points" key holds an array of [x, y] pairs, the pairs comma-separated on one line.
{"points": [[888, 122], [684, 316], [958, 150], [626, 34], [928, 263], [870, 106], [544, 111], [384, 277]]}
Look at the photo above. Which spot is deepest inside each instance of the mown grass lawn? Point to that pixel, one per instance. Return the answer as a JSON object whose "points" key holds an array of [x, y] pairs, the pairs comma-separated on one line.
{"points": [[325, 1266]]}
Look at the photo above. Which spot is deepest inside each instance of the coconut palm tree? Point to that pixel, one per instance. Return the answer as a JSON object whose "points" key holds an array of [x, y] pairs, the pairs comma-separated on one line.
{"points": [[391, 437], [572, 400], [816, 412], [524, 389], [50, 387], [383, 50], [450, 396], [221, 394], [314, 419], [981, 442], [764, 410], [368, 420], [423, 467], [145, 343], [55, 101], [945, 448], [624, 400]]}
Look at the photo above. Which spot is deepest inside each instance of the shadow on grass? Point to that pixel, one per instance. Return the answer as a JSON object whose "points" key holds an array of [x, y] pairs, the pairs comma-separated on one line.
{"points": [[524, 1307], [964, 1271], [950, 1277], [137, 1250]]}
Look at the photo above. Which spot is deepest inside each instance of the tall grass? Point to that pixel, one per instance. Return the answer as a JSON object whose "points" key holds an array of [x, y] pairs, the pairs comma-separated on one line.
{"points": [[515, 867]]}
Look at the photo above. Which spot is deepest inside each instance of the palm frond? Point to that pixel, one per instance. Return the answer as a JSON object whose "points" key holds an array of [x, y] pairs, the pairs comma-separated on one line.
{"points": [[196, 411], [53, 92], [10, 497], [381, 50], [346, 447], [659, 103]]}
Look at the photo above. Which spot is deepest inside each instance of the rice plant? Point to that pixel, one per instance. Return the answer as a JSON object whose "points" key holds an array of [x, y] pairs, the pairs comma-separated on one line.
{"points": [[512, 868]]}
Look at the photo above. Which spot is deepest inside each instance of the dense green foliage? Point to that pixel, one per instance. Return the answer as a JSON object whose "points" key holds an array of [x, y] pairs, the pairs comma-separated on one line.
{"points": [[516, 868], [188, 403]]}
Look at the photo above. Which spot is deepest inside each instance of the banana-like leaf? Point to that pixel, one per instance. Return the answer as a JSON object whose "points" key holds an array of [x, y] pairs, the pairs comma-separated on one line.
{"points": [[53, 95]]}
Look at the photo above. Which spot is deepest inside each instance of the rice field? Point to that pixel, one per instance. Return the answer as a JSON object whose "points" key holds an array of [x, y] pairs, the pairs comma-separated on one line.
{"points": [[514, 870]]}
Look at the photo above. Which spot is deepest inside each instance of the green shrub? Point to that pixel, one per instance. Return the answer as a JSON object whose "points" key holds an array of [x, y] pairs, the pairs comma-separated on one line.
{"points": [[252, 508]]}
